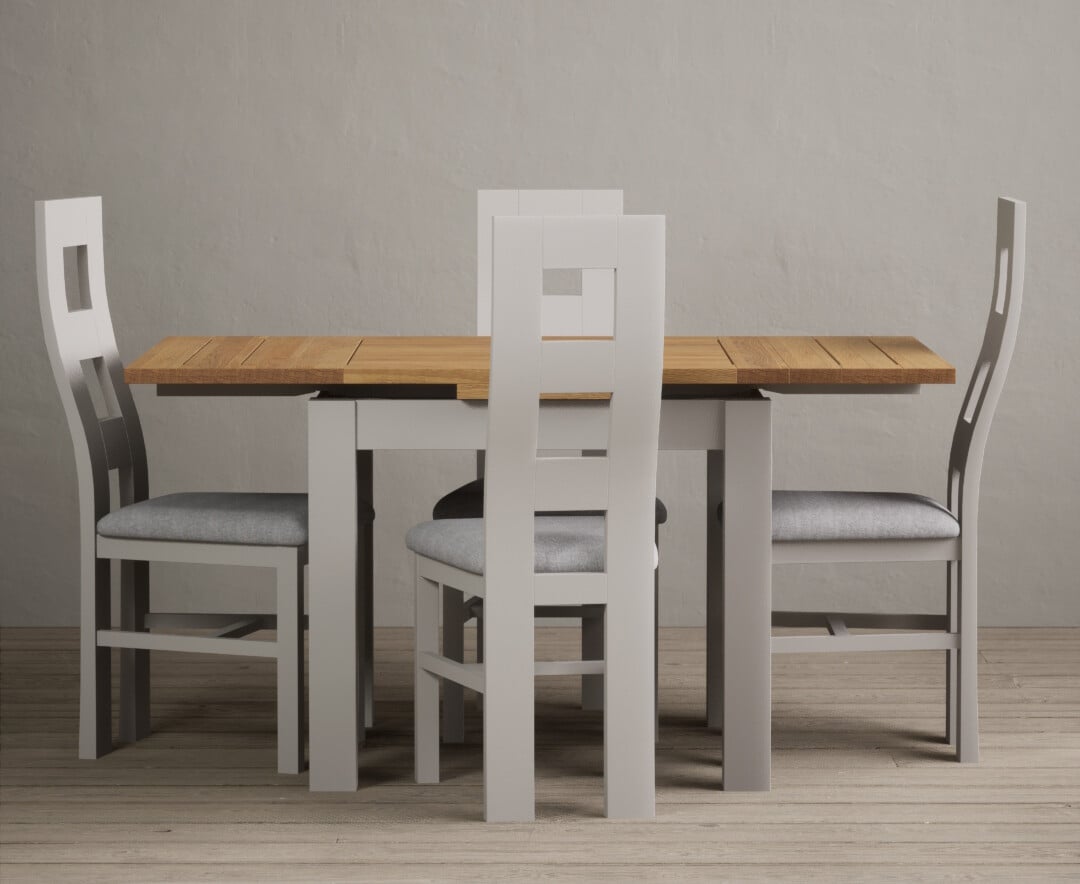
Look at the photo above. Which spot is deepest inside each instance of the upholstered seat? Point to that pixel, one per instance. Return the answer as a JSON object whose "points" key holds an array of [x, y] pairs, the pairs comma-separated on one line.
{"points": [[467, 502], [213, 517], [859, 515], [563, 543]]}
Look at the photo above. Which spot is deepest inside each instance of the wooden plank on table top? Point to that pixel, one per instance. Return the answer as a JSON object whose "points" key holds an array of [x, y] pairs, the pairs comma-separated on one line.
{"points": [[688, 360], [912, 354], [420, 360], [862, 362], [301, 359], [167, 355], [755, 361], [807, 361], [227, 351], [697, 360]]}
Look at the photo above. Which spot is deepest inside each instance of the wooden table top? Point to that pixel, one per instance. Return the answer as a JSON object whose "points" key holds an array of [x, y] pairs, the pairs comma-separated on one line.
{"points": [[319, 362]]}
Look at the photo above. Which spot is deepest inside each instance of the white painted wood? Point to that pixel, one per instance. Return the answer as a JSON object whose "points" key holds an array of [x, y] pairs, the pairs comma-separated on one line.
{"points": [[571, 589], [588, 370], [860, 620], [513, 423], [714, 584], [517, 485], [116, 638], [840, 551], [107, 436], [569, 667], [592, 648], [291, 718], [404, 424], [571, 483], [550, 202], [453, 648], [630, 616], [171, 620], [589, 314], [589, 241], [845, 642], [951, 584], [747, 595], [470, 675], [334, 685], [448, 575], [599, 202], [197, 553], [426, 685], [956, 633], [365, 569]]}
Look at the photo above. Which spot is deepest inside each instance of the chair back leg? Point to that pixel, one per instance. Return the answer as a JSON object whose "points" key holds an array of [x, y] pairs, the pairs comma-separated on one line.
{"points": [[290, 664], [134, 663], [95, 663], [453, 643], [951, 654]]}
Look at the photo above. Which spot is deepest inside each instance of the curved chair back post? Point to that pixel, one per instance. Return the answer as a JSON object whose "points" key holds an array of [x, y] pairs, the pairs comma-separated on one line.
{"points": [[104, 424], [562, 314], [992, 367]]}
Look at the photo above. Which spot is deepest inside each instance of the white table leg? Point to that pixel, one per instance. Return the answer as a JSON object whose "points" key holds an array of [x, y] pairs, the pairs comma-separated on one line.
{"points": [[714, 592], [333, 618], [747, 594]]}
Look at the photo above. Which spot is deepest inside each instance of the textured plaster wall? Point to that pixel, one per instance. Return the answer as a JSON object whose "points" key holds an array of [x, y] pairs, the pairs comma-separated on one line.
{"points": [[826, 167]]}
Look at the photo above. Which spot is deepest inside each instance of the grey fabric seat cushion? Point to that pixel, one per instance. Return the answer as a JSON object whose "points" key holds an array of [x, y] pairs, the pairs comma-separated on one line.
{"points": [[563, 543], [256, 519], [467, 502], [859, 515]]}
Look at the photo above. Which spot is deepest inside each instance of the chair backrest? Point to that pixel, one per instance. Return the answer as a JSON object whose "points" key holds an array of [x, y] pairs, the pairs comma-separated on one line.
{"points": [[992, 366], [629, 366], [100, 410], [587, 313]]}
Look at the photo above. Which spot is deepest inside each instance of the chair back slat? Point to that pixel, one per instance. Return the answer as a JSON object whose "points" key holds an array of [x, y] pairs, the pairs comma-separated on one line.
{"points": [[587, 313], [577, 366], [628, 367], [571, 483], [79, 336], [992, 365]]}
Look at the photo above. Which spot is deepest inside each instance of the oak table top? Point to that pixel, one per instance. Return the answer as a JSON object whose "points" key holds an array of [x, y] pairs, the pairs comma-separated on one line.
{"points": [[462, 362]]}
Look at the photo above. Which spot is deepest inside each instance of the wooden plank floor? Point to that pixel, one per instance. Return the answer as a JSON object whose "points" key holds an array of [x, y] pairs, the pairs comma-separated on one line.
{"points": [[864, 788]]}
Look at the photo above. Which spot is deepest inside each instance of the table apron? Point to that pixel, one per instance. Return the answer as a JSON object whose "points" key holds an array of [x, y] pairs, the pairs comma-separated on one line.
{"points": [[452, 424]]}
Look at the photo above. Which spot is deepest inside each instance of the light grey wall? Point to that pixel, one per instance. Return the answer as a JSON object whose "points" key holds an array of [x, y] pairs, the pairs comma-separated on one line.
{"points": [[311, 168]]}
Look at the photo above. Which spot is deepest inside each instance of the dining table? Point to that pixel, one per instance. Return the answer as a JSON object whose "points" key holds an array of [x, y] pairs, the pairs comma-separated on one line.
{"points": [[371, 393]]}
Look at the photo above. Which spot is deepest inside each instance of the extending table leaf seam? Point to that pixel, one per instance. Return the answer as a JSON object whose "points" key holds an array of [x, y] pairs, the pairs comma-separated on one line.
{"points": [[254, 350], [878, 346], [348, 361], [827, 353], [198, 350]]}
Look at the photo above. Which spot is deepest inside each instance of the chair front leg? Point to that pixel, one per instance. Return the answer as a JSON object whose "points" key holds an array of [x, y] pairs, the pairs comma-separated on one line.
{"points": [[426, 687], [134, 664], [951, 655], [290, 663]]}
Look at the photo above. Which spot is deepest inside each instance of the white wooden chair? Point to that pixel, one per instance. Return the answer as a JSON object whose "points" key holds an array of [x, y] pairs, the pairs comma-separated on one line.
{"points": [[850, 526], [588, 313], [260, 530], [520, 563]]}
